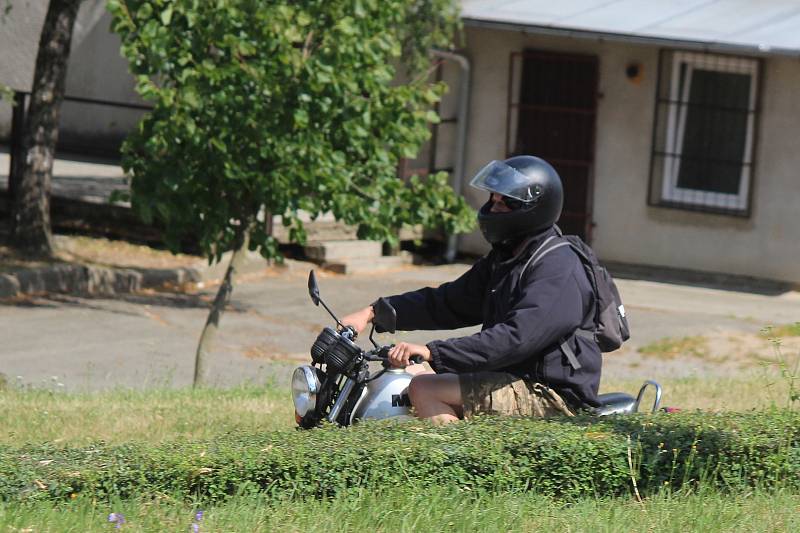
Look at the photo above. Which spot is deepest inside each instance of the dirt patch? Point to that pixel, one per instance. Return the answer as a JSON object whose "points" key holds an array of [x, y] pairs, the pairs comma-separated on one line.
{"points": [[10, 261], [669, 348], [106, 252], [745, 350], [266, 352], [724, 353], [722, 347]]}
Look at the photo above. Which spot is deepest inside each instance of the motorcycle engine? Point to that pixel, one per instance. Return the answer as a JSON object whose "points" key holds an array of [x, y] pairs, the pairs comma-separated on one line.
{"points": [[339, 353]]}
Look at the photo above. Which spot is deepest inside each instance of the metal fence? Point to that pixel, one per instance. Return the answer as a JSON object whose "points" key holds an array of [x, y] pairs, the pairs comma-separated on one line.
{"points": [[18, 119]]}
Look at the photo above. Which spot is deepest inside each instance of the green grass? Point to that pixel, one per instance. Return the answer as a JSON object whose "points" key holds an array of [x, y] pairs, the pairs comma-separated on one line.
{"points": [[785, 330], [757, 390], [438, 509], [156, 415], [670, 348], [124, 415], [121, 416]]}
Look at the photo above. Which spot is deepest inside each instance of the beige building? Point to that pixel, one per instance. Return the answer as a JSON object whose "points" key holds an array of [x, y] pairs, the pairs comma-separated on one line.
{"points": [[674, 125], [96, 71]]}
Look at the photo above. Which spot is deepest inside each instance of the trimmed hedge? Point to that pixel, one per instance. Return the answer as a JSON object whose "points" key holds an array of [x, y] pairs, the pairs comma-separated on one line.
{"points": [[560, 458]]}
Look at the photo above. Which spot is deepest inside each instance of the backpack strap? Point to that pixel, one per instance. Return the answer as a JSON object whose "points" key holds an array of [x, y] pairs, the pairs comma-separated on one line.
{"points": [[541, 251], [537, 256], [567, 349]]}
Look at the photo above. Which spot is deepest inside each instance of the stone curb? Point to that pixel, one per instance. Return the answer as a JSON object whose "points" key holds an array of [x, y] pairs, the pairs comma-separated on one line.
{"points": [[80, 279], [90, 279], [107, 281]]}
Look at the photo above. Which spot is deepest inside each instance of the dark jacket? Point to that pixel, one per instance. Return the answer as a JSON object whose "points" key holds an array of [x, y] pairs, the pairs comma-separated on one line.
{"points": [[524, 320]]}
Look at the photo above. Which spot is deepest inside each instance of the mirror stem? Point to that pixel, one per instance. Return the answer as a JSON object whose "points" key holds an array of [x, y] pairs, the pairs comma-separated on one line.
{"points": [[331, 313], [375, 344]]}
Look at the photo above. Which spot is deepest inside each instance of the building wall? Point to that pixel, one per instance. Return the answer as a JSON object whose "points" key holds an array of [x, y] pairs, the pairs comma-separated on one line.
{"points": [[96, 70], [766, 245]]}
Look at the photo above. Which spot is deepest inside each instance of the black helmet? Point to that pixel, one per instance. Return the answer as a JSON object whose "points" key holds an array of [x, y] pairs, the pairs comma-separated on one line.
{"points": [[526, 178]]}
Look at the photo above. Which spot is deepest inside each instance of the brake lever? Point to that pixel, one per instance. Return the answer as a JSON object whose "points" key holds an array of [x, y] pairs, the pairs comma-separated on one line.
{"points": [[381, 355], [378, 355]]}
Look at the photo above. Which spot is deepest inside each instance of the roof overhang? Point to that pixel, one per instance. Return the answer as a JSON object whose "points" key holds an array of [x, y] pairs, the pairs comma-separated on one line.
{"points": [[763, 27]]}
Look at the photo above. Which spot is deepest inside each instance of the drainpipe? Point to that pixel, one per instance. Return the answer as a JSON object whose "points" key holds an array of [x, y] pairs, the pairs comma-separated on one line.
{"points": [[461, 137]]}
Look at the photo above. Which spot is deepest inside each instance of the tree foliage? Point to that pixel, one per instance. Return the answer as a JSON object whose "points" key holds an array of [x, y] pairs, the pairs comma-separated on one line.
{"points": [[270, 107]]}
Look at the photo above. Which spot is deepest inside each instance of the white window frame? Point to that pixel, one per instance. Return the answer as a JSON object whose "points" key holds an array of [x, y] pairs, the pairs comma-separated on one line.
{"points": [[676, 125]]}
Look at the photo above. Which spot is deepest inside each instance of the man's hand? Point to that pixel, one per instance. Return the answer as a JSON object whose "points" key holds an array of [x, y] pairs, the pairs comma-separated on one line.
{"points": [[400, 354], [359, 320]]}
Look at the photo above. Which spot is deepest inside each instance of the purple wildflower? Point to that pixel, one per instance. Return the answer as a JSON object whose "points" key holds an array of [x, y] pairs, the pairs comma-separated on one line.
{"points": [[198, 517], [116, 518]]}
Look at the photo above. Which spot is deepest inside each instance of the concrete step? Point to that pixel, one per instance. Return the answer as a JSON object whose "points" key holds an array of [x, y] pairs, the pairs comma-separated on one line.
{"points": [[368, 264], [343, 250], [326, 228], [317, 231]]}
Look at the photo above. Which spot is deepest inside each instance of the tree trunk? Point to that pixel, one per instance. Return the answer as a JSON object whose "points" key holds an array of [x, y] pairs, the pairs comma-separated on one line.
{"points": [[30, 221], [215, 314]]}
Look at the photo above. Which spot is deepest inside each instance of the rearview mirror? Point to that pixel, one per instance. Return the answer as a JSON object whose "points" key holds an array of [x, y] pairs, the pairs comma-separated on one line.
{"points": [[313, 288], [385, 316]]}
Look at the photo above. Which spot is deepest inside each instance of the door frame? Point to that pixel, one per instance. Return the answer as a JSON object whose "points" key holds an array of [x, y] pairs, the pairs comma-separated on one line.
{"points": [[515, 86]]}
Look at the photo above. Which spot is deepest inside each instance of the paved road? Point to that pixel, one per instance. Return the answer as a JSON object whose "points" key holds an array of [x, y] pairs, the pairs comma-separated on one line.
{"points": [[150, 339]]}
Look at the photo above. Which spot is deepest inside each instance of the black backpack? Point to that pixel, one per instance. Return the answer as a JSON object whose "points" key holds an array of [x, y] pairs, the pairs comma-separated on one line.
{"points": [[610, 323]]}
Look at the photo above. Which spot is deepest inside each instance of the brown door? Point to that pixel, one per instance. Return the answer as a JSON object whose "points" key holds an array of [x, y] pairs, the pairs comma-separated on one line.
{"points": [[555, 114]]}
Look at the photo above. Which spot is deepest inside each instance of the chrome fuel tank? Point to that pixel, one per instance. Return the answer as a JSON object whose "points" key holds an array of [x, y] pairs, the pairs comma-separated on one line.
{"points": [[386, 397]]}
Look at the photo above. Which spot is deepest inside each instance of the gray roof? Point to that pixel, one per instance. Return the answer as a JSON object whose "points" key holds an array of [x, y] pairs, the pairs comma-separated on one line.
{"points": [[749, 26]]}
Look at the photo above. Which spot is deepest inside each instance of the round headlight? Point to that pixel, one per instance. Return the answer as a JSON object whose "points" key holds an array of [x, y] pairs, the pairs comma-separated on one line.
{"points": [[305, 386]]}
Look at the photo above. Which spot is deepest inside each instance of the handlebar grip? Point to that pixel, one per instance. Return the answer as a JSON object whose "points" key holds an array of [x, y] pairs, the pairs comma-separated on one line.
{"points": [[416, 359]]}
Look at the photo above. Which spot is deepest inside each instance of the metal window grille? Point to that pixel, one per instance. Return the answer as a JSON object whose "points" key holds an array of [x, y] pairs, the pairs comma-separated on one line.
{"points": [[704, 134]]}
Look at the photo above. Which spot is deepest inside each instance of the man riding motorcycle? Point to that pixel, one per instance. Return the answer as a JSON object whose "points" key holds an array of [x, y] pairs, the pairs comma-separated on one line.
{"points": [[527, 359]]}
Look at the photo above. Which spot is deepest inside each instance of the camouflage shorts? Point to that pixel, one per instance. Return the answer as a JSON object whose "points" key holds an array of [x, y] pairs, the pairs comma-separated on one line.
{"points": [[500, 393]]}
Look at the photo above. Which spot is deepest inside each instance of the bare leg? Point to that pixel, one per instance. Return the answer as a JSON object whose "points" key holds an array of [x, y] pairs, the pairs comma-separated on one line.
{"points": [[437, 397], [416, 370]]}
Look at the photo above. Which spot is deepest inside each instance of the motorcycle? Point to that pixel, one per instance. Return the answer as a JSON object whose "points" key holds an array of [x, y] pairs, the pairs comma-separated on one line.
{"points": [[341, 386]]}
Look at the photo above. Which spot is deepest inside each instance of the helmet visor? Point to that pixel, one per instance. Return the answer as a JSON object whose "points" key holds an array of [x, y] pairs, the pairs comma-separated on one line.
{"points": [[497, 177]]}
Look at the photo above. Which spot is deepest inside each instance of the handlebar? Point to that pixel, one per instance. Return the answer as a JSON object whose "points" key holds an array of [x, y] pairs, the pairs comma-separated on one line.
{"points": [[381, 355]]}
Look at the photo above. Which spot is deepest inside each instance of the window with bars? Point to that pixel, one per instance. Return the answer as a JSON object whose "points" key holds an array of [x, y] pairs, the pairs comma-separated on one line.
{"points": [[705, 132]]}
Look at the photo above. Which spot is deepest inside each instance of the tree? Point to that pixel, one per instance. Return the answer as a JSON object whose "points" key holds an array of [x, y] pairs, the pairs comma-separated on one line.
{"points": [[30, 222], [265, 107]]}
